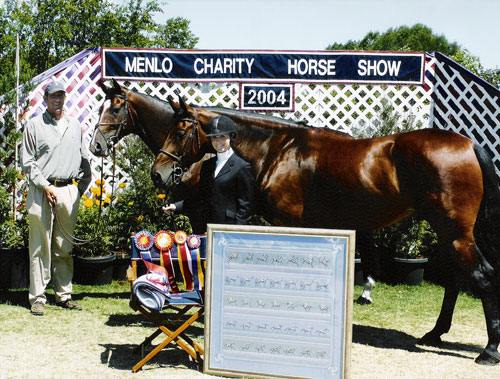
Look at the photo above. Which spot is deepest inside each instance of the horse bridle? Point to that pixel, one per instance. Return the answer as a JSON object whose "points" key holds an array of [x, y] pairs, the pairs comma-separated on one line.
{"points": [[111, 141], [180, 165]]}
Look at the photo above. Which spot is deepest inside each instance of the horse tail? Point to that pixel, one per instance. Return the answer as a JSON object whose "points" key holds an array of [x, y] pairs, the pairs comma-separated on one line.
{"points": [[488, 222]]}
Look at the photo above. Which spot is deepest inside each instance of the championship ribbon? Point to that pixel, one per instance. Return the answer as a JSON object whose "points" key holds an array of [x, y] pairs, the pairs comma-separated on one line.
{"points": [[164, 241], [144, 242], [184, 259], [194, 243]]}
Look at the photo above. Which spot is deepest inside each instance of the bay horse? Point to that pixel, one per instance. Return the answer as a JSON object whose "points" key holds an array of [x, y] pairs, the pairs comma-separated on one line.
{"points": [[312, 177], [127, 112]]}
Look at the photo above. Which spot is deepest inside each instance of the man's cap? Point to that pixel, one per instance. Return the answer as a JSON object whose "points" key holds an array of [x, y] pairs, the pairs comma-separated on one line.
{"points": [[221, 125], [54, 86]]}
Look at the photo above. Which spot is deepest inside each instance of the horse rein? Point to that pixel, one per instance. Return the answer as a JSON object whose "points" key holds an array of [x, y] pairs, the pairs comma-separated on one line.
{"points": [[179, 165]]}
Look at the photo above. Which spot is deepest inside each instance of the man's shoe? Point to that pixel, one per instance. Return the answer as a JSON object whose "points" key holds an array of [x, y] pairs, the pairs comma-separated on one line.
{"points": [[69, 304], [38, 309]]}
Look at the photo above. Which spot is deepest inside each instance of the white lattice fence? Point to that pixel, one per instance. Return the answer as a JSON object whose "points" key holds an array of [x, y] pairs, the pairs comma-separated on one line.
{"points": [[451, 98], [468, 105]]}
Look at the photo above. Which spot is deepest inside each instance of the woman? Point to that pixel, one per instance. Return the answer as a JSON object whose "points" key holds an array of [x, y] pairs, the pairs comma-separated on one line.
{"points": [[226, 180]]}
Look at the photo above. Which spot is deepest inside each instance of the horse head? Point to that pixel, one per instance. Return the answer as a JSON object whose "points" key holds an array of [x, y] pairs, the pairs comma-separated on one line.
{"points": [[114, 119], [185, 144]]}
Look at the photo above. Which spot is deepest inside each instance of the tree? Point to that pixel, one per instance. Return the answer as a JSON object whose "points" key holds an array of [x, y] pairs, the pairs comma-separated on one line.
{"points": [[419, 38], [53, 30]]}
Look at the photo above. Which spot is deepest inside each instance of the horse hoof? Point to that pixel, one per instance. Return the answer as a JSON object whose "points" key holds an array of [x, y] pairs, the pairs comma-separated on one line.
{"points": [[363, 301], [488, 358], [430, 340]]}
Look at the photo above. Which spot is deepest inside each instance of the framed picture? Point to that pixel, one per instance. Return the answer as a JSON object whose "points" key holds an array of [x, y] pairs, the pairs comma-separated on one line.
{"points": [[278, 302]]}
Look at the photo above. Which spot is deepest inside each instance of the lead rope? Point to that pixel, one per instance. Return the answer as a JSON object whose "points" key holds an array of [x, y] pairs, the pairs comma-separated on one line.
{"points": [[81, 241]]}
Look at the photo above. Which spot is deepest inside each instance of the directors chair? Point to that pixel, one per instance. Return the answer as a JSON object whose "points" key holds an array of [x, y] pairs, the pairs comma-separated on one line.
{"points": [[158, 297]]}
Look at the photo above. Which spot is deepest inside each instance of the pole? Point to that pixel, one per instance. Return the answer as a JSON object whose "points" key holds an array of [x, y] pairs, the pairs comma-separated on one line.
{"points": [[16, 153]]}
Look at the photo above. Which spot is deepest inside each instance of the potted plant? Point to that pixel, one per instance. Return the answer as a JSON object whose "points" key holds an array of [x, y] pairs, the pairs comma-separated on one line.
{"points": [[93, 257], [122, 209], [406, 248]]}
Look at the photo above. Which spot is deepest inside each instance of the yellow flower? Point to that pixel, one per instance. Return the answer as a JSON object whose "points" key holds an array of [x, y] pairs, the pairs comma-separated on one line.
{"points": [[97, 201], [99, 182], [96, 191], [84, 197], [88, 203], [140, 218], [122, 185], [161, 196], [107, 199]]}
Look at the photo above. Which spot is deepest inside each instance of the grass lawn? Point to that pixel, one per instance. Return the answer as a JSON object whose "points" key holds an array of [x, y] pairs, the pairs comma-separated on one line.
{"points": [[99, 342]]}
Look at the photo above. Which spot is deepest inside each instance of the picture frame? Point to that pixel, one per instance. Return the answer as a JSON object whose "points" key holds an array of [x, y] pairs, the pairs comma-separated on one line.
{"points": [[278, 302]]}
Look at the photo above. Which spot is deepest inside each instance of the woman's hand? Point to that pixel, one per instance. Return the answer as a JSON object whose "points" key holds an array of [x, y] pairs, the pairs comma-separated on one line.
{"points": [[169, 208]]}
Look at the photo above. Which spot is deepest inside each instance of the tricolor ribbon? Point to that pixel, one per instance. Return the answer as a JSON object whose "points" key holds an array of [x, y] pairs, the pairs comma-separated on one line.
{"points": [[198, 276], [185, 265], [169, 266]]}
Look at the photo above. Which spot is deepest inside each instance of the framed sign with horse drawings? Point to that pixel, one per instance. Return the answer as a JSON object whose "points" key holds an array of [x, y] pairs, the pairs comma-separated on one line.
{"points": [[278, 301]]}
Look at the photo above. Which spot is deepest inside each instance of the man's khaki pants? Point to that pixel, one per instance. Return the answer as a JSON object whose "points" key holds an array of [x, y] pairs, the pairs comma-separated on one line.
{"points": [[49, 249]]}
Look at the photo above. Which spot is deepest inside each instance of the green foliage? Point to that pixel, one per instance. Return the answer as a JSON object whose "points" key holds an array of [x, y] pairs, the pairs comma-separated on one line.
{"points": [[51, 31], [406, 38], [420, 38], [134, 208], [13, 224]]}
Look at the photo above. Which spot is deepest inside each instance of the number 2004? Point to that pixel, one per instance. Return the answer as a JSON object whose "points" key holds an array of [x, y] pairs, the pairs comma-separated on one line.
{"points": [[266, 96]]}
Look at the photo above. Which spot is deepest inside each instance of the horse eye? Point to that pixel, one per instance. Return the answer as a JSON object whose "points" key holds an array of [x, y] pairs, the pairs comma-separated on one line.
{"points": [[179, 134]]}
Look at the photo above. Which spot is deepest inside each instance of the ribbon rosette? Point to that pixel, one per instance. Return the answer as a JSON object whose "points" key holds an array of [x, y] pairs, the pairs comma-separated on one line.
{"points": [[144, 240], [180, 237], [193, 241], [163, 240]]}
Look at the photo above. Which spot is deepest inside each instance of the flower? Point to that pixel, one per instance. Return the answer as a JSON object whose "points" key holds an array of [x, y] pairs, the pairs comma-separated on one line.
{"points": [[161, 196], [87, 203], [122, 185], [140, 218], [96, 191], [100, 182]]}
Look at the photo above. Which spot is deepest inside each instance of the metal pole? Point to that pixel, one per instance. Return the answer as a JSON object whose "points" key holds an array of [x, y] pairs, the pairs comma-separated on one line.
{"points": [[16, 153]]}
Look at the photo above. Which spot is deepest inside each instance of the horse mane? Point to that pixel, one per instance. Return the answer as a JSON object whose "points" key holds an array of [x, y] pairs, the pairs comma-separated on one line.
{"points": [[268, 121]]}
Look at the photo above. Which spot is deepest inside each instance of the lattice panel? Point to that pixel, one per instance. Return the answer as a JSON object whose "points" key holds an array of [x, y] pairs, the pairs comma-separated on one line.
{"points": [[451, 98], [467, 105]]}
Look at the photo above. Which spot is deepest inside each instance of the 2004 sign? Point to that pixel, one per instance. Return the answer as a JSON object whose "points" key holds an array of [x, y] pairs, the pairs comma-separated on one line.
{"points": [[277, 97]]}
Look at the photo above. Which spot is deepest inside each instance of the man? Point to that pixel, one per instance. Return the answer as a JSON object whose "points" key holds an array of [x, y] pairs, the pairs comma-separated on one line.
{"points": [[227, 184], [54, 158]]}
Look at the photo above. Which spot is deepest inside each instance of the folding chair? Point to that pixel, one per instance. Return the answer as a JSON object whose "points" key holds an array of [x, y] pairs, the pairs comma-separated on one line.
{"points": [[171, 317]]}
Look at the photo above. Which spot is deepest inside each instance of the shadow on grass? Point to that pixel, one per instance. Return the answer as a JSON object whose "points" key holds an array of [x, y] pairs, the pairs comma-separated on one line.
{"points": [[120, 319], [123, 357], [395, 339], [104, 295]]}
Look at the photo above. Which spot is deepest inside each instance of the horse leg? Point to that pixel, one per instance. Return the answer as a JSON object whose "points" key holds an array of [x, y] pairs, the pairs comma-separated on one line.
{"points": [[443, 323], [369, 263], [483, 278], [482, 273]]}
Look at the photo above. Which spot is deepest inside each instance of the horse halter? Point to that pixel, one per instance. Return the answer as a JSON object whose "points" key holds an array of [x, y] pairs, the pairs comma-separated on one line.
{"points": [[116, 137], [180, 165]]}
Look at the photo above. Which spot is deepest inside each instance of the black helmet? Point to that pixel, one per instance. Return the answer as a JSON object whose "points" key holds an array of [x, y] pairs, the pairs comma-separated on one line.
{"points": [[221, 125]]}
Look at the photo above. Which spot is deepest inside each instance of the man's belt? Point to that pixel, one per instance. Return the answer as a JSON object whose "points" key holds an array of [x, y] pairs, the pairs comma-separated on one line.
{"points": [[60, 182]]}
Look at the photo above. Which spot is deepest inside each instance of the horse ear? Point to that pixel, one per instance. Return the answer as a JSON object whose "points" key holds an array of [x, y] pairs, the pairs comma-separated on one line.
{"points": [[182, 103], [175, 106], [104, 87], [116, 86]]}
